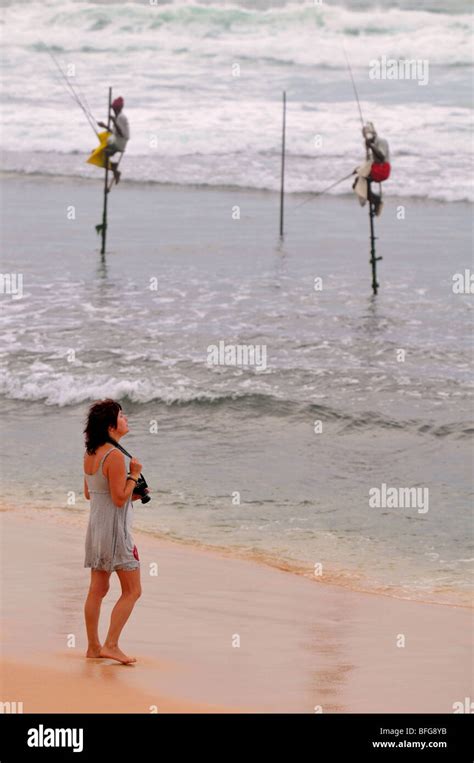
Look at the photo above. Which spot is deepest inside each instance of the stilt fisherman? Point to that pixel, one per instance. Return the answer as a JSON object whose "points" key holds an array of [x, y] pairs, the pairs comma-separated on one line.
{"points": [[376, 168], [120, 134]]}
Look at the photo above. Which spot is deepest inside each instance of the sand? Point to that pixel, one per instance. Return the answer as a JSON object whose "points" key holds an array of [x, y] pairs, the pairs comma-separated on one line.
{"points": [[212, 633]]}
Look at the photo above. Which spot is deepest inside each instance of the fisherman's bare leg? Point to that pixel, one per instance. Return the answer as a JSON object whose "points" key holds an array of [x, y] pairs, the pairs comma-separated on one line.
{"points": [[113, 165], [376, 200], [117, 174]]}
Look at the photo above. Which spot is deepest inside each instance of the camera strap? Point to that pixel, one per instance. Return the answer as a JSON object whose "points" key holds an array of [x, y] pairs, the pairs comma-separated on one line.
{"points": [[125, 452]]}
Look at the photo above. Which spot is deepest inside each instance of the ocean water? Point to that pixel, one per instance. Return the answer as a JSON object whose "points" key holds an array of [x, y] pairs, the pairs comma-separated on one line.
{"points": [[86, 328], [204, 141], [203, 85]]}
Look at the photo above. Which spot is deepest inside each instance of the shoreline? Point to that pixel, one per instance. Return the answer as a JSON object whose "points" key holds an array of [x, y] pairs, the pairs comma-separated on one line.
{"points": [[338, 578], [299, 645], [224, 188]]}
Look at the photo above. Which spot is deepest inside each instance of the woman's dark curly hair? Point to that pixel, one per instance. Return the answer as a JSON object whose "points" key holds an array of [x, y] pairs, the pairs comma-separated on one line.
{"points": [[102, 415]]}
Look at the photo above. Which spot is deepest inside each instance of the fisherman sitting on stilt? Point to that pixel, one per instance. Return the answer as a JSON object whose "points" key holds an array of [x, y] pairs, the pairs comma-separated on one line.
{"points": [[120, 134], [375, 169]]}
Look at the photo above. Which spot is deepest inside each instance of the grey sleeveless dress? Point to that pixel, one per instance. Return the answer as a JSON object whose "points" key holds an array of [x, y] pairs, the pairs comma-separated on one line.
{"points": [[109, 542]]}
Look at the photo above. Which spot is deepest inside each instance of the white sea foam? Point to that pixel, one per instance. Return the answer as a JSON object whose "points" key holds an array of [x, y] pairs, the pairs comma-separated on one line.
{"points": [[194, 122]]}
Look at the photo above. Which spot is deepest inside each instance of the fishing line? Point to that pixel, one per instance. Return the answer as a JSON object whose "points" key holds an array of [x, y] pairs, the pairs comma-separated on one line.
{"points": [[353, 84], [318, 193], [74, 95]]}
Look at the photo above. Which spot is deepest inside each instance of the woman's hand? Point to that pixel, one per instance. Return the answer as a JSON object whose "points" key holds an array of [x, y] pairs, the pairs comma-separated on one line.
{"points": [[136, 496], [135, 468]]}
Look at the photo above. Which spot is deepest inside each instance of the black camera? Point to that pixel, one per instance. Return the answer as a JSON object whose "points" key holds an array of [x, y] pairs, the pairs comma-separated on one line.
{"points": [[142, 484], [140, 488]]}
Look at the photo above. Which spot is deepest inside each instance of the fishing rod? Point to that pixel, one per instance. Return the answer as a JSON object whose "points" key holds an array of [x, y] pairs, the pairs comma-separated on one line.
{"points": [[86, 104], [87, 113], [353, 85], [84, 100]]}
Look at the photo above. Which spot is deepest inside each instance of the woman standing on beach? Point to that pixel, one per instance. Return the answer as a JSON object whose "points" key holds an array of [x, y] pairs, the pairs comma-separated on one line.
{"points": [[109, 544]]}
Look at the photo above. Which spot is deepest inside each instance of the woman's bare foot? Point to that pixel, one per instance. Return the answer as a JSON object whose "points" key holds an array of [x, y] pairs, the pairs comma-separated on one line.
{"points": [[114, 653], [93, 651]]}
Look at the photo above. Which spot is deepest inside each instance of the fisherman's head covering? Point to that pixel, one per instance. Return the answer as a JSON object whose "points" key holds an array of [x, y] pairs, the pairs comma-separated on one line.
{"points": [[118, 103], [369, 129]]}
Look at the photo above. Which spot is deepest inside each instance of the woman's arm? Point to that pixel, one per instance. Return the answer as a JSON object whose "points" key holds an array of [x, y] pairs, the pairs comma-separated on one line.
{"points": [[86, 490], [120, 488]]}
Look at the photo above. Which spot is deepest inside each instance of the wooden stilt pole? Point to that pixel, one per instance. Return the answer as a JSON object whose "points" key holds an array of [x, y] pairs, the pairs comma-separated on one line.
{"points": [[373, 258], [282, 183], [106, 185]]}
